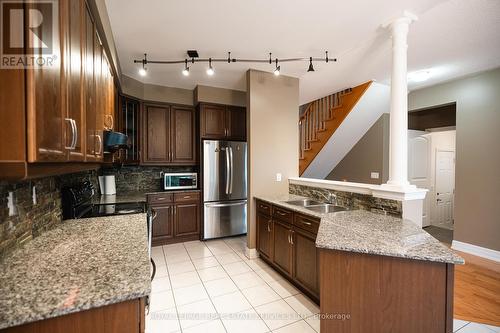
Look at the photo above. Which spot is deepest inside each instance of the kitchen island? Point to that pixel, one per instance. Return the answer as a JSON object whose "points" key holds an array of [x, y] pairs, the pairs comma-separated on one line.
{"points": [[86, 275], [375, 272]]}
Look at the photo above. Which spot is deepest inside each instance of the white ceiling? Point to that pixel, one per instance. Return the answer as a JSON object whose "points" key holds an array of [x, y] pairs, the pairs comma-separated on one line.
{"points": [[452, 38]]}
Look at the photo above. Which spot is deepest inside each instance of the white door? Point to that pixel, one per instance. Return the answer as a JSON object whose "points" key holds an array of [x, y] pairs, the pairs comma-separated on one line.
{"points": [[419, 164], [445, 187]]}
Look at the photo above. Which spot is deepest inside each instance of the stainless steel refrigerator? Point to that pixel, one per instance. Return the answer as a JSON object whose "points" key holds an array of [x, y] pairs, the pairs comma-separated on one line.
{"points": [[224, 188]]}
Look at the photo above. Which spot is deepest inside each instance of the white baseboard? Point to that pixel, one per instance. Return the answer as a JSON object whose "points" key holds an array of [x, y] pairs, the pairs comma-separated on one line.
{"points": [[476, 250], [251, 253]]}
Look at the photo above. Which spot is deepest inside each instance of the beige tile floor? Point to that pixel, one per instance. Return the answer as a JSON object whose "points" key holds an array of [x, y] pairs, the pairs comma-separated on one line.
{"points": [[212, 287]]}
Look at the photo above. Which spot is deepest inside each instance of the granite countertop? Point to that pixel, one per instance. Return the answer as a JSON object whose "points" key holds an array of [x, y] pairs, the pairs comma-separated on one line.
{"points": [[373, 233], [79, 265], [131, 197]]}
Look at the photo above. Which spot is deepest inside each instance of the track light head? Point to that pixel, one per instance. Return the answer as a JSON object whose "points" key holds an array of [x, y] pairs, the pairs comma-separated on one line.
{"points": [[143, 70], [277, 71], [311, 68], [210, 69], [185, 71]]}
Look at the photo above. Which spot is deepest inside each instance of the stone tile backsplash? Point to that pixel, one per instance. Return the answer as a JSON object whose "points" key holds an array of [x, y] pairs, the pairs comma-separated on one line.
{"points": [[31, 219], [142, 178], [350, 200]]}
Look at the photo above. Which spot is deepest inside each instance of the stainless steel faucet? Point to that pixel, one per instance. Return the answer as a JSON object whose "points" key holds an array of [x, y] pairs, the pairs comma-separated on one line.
{"points": [[332, 198]]}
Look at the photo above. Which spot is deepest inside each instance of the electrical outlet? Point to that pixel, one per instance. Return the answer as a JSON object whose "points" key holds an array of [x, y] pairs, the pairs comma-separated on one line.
{"points": [[33, 194], [11, 204], [278, 177], [374, 175]]}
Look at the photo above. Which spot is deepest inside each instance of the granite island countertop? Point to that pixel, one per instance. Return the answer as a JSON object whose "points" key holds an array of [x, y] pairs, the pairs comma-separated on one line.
{"points": [[372, 233], [78, 265]]}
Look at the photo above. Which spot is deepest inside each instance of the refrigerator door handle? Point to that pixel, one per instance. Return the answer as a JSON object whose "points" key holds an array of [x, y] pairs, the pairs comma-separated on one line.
{"points": [[237, 203], [228, 170], [231, 170]]}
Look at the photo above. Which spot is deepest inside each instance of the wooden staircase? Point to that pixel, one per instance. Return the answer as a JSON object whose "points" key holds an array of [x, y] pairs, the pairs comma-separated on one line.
{"points": [[322, 118]]}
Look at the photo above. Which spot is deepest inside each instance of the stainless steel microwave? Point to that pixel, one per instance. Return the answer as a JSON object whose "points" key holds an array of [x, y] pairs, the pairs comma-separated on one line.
{"points": [[180, 181]]}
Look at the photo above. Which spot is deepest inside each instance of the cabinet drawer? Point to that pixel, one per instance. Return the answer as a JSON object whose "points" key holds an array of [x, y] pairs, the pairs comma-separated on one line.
{"points": [[307, 223], [187, 197], [263, 208], [283, 214], [160, 198]]}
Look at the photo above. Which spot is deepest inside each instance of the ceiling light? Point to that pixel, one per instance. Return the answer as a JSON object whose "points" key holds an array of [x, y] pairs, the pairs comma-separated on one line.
{"points": [[278, 68], [185, 71], [142, 71], [311, 68], [210, 69], [419, 76]]}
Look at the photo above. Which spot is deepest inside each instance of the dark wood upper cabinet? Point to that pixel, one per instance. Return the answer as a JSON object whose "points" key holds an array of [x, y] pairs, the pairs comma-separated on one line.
{"points": [[61, 109], [45, 95], [74, 48], [89, 84], [183, 138], [129, 124], [156, 135], [236, 123], [169, 135], [222, 122]]}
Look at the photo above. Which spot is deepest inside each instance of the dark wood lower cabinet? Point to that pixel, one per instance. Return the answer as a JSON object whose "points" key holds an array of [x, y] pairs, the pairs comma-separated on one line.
{"points": [[177, 217], [305, 260], [282, 247], [384, 294], [264, 238], [124, 317], [287, 241], [163, 226], [187, 219]]}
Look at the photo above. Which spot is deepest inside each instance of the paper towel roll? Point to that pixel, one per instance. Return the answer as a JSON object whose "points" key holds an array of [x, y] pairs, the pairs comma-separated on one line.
{"points": [[107, 184]]}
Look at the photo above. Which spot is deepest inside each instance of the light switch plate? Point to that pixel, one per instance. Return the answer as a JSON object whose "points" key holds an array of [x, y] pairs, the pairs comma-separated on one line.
{"points": [[11, 205], [33, 195], [375, 175], [278, 177]]}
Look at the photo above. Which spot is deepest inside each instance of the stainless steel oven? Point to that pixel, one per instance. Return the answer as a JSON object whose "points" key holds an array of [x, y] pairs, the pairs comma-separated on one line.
{"points": [[180, 181]]}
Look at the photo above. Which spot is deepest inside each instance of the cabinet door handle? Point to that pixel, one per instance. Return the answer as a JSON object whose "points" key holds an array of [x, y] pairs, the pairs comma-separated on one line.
{"points": [[72, 124], [186, 197], [161, 199], [291, 236], [281, 213], [306, 223], [100, 144], [263, 207], [289, 241], [268, 226], [75, 136]]}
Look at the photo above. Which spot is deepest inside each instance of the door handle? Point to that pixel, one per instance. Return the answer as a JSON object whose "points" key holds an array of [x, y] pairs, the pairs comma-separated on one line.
{"points": [[306, 223], [75, 136], [228, 167], [291, 236], [72, 124], [268, 226], [231, 170], [239, 203], [100, 144]]}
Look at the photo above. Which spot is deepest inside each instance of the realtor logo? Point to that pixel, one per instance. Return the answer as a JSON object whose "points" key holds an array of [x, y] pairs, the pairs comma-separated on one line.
{"points": [[29, 29]]}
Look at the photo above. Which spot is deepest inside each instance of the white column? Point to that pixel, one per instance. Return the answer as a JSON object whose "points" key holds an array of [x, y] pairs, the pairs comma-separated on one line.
{"points": [[398, 137]]}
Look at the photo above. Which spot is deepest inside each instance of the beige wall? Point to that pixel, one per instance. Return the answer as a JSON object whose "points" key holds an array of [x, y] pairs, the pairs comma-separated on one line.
{"points": [[368, 155], [477, 177], [156, 93], [273, 111], [219, 95]]}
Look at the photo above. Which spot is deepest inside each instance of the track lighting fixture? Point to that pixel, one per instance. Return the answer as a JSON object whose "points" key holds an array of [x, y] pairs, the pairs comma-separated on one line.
{"points": [[143, 71], [194, 58], [277, 69], [210, 70], [185, 71], [311, 68]]}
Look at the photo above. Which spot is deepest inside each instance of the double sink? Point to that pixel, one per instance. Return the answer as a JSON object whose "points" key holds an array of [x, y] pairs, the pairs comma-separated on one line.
{"points": [[316, 206]]}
